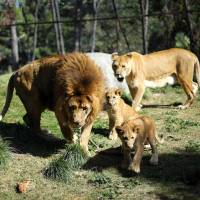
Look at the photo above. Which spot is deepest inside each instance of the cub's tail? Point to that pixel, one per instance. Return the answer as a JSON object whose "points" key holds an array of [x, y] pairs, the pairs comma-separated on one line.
{"points": [[9, 96], [197, 71]]}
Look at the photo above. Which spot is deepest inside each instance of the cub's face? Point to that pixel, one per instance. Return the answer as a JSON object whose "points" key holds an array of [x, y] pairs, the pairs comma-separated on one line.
{"points": [[127, 135], [79, 108], [113, 96], [121, 66]]}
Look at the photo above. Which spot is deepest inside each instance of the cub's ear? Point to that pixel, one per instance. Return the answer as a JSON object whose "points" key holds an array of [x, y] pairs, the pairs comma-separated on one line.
{"points": [[119, 130], [119, 92], [89, 98], [114, 55]]}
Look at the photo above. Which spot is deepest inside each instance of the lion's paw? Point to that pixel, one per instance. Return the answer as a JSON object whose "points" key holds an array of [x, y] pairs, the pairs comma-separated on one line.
{"points": [[135, 168]]}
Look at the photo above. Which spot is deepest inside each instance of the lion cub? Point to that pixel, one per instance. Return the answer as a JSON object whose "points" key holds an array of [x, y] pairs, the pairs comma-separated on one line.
{"points": [[134, 134], [118, 111]]}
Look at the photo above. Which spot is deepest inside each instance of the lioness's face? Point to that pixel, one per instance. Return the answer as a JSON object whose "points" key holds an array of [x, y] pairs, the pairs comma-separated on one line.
{"points": [[127, 135], [121, 66], [79, 109], [113, 95]]}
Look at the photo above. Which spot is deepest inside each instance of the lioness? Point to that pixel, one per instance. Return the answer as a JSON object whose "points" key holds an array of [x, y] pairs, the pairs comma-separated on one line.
{"points": [[72, 86], [134, 134], [137, 68], [118, 111]]}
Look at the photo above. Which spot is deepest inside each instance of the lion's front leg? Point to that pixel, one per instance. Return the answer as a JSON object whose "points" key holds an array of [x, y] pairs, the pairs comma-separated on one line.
{"points": [[85, 135], [66, 130], [126, 158], [137, 93], [135, 165]]}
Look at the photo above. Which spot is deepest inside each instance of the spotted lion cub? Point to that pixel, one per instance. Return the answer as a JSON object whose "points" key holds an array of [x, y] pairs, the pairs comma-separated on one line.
{"points": [[134, 134], [118, 111]]}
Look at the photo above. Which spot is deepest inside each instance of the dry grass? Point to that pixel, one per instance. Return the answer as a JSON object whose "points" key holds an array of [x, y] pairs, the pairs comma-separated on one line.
{"points": [[176, 177]]}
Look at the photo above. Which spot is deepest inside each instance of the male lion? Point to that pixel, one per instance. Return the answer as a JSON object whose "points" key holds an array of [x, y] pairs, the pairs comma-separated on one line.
{"points": [[137, 68], [118, 111], [134, 134], [72, 86]]}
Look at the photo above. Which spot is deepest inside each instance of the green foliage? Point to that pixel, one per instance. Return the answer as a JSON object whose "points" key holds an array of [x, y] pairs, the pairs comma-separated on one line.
{"points": [[4, 153], [62, 168], [182, 41], [193, 146]]}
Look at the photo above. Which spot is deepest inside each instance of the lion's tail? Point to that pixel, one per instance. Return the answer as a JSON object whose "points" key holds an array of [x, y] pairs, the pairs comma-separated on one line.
{"points": [[9, 96], [160, 139], [197, 71]]}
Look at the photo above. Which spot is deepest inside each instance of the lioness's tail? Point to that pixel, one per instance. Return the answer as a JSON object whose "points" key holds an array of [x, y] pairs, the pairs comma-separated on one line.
{"points": [[197, 71], [9, 96], [160, 139]]}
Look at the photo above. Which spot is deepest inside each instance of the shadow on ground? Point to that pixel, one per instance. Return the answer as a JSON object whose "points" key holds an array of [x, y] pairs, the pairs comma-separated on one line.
{"points": [[23, 140], [183, 168]]}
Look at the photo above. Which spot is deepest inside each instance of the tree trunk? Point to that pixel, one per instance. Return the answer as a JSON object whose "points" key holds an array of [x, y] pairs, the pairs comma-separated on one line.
{"points": [[57, 26], [120, 25], [35, 29], [14, 43], [144, 8], [190, 26], [78, 26]]}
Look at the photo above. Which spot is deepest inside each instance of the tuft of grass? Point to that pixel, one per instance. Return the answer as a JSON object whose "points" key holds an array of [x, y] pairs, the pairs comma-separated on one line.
{"points": [[4, 153], [62, 168]]}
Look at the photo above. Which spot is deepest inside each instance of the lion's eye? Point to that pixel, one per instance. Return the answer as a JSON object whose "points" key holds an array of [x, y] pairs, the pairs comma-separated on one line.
{"points": [[73, 107], [85, 108], [123, 66], [132, 137], [114, 66]]}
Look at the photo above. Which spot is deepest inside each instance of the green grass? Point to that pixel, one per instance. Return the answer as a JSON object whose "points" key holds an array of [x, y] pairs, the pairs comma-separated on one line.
{"points": [[100, 177], [5, 153]]}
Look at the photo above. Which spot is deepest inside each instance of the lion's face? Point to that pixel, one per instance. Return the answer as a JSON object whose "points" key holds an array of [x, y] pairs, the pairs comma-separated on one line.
{"points": [[127, 135], [80, 108], [121, 66], [113, 95]]}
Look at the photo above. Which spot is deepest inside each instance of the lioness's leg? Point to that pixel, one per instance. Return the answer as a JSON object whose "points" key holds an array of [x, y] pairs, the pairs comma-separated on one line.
{"points": [[152, 142], [135, 165], [187, 86], [85, 135], [137, 94]]}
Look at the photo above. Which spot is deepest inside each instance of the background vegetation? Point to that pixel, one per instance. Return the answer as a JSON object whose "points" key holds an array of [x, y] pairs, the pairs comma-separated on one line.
{"points": [[94, 25]]}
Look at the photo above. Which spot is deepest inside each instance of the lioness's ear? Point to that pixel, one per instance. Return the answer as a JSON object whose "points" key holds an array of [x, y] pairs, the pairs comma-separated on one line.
{"points": [[114, 55], [89, 98], [119, 92], [129, 55], [119, 130]]}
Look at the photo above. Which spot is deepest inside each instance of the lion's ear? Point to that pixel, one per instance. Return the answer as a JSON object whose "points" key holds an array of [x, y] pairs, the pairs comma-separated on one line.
{"points": [[89, 98], [119, 130], [119, 92], [114, 55]]}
